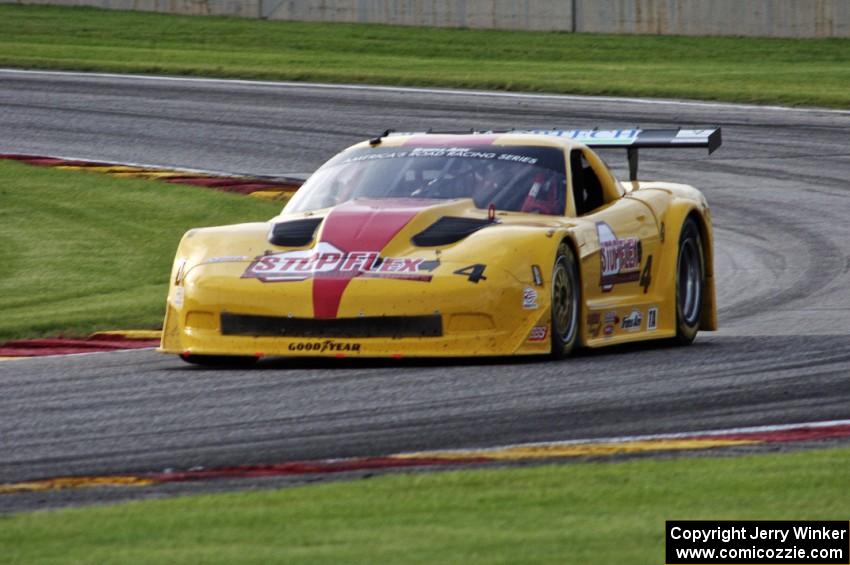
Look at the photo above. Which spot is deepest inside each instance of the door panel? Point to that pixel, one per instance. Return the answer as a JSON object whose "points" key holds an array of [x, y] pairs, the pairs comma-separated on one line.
{"points": [[615, 266]]}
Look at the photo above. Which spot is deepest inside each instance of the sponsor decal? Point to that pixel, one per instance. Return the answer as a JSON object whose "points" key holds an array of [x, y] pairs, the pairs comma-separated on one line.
{"points": [[612, 318], [652, 319], [538, 333], [608, 331], [620, 258], [632, 322], [626, 137], [529, 299], [178, 297], [594, 324], [327, 261], [623, 136], [326, 346], [442, 152], [537, 275]]}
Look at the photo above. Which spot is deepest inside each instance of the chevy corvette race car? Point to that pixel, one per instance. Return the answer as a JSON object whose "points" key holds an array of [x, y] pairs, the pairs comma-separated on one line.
{"points": [[426, 244]]}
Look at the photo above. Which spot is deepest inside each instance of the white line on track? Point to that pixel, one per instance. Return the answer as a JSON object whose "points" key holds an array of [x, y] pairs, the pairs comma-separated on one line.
{"points": [[441, 91], [631, 439], [82, 354]]}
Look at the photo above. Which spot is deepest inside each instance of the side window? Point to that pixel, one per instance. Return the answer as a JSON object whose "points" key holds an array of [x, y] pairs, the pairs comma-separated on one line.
{"points": [[587, 189]]}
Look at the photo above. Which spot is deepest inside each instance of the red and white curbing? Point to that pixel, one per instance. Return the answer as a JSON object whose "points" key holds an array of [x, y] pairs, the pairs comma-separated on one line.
{"points": [[117, 340], [278, 189]]}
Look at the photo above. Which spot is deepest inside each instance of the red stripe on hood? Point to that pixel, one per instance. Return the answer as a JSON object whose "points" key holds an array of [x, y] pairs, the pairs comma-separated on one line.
{"points": [[362, 225]]}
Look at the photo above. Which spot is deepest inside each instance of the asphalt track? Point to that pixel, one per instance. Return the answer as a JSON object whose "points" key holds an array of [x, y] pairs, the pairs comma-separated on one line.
{"points": [[780, 199]]}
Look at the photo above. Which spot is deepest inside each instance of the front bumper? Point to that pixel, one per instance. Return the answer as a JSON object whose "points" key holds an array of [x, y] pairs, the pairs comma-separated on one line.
{"points": [[448, 316]]}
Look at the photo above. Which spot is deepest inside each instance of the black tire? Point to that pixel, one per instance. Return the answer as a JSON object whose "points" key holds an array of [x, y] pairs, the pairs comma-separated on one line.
{"points": [[220, 361], [690, 282], [566, 303]]}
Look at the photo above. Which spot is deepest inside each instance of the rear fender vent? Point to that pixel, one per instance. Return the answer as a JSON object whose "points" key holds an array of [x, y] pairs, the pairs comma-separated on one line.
{"points": [[449, 230], [294, 233]]}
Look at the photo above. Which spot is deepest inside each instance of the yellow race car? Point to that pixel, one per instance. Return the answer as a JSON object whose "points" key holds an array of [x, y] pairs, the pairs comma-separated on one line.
{"points": [[437, 245]]}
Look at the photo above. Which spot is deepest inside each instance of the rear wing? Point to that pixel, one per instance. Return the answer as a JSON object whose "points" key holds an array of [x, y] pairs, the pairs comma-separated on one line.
{"points": [[634, 139]]}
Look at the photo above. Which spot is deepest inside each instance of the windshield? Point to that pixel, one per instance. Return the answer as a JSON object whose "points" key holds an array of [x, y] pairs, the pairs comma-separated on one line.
{"points": [[512, 178]]}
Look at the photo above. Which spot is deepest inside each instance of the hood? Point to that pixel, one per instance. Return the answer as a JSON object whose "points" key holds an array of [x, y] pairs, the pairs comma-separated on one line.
{"points": [[406, 240], [357, 239]]}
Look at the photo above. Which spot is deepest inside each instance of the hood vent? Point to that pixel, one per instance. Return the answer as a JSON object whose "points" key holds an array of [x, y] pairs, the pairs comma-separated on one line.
{"points": [[449, 230], [294, 233]]}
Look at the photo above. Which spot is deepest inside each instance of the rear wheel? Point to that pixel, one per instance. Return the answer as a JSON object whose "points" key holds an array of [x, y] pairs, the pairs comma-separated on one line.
{"points": [[566, 300], [690, 282], [220, 361]]}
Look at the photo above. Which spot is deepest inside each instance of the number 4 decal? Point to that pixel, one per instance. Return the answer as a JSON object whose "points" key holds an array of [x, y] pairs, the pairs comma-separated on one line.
{"points": [[474, 273], [646, 275]]}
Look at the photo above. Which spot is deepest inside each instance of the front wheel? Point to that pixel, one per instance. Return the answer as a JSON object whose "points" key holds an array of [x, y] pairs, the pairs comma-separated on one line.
{"points": [[690, 282], [566, 301]]}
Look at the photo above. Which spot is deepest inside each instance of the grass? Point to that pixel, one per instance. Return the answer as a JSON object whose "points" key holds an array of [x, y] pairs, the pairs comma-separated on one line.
{"points": [[584, 513], [80, 252], [783, 71]]}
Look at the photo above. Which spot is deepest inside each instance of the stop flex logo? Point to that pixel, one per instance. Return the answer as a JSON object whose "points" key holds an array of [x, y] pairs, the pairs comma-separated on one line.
{"points": [[327, 261]]}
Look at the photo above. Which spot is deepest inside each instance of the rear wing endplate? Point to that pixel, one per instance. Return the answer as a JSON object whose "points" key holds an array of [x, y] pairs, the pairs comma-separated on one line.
{"points": [[634, 139]]}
